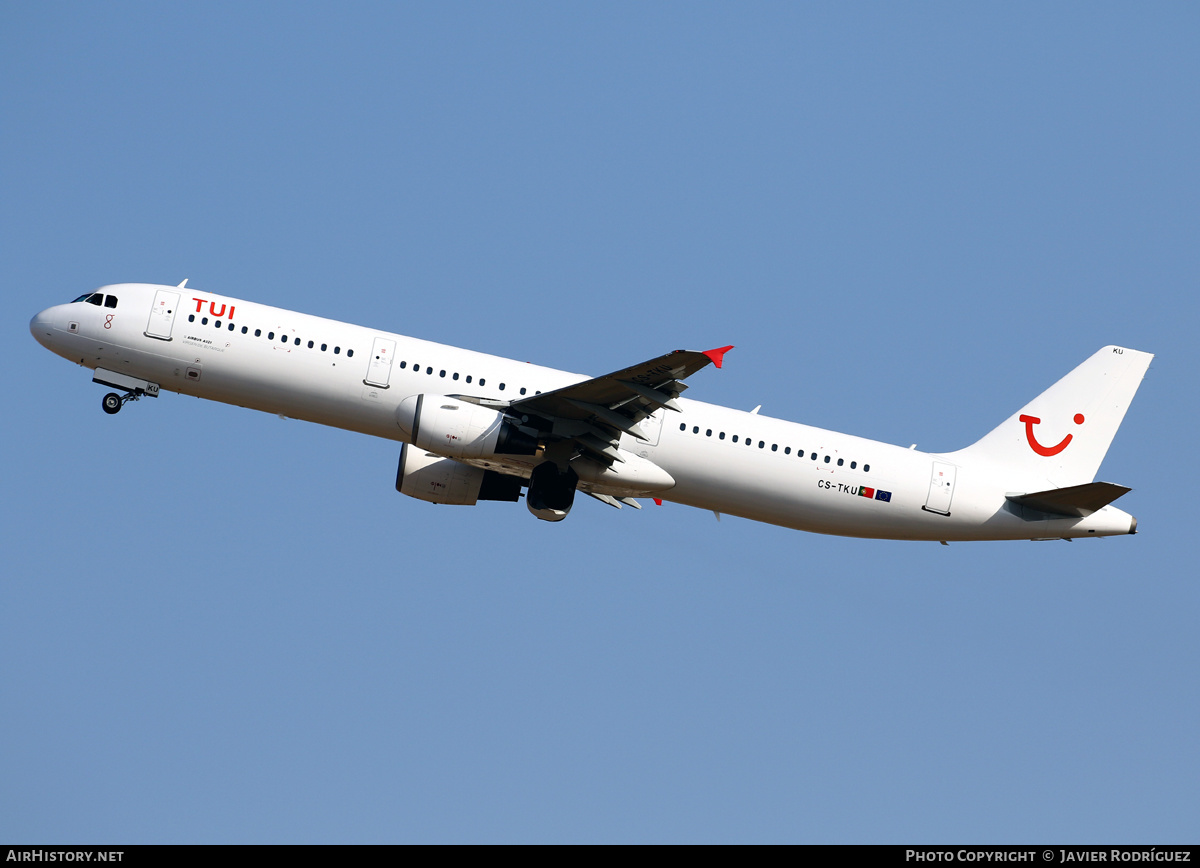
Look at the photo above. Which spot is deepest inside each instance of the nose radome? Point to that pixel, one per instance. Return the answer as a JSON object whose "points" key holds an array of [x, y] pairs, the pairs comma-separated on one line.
{"points": [[41, 327]]}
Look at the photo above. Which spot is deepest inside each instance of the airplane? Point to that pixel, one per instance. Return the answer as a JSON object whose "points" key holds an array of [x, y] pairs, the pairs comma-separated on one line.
{"points": [[477, 427]]}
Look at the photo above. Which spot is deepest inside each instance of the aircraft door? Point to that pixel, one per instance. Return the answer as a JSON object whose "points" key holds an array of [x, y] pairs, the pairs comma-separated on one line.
{"points": [[379, 371], [162, 315], [941, 488], [652, 427]]}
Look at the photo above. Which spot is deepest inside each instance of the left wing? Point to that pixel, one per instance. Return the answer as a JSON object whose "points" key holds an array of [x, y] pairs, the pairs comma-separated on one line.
{"points": [[596, 412]]}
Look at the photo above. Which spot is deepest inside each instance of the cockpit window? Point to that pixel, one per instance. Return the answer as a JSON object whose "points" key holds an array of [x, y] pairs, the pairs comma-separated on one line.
{"points": [[83, 297], [96, 298], [110, 301]]}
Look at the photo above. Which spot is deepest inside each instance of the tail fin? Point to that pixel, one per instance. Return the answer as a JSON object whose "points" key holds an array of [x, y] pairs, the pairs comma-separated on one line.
{"points": [[1062, 435]]}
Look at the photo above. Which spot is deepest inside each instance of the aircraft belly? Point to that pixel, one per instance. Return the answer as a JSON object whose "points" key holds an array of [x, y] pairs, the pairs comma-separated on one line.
{"points": [[810, 497]]}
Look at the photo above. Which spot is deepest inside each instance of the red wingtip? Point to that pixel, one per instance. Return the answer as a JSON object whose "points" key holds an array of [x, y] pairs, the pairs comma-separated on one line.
{"points": [[718, 355], [657, 501]]}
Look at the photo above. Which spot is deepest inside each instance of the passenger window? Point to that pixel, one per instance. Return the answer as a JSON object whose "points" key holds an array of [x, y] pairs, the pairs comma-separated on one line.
{"points": [[721, 436], [468, 378], [761, 444], [349, 353], [270, 336], [708, 433], [695, 429], [217, 323], [324, 347], [283, 338], [245, 329], [867, 469], [402, 364], [203, 320], [682, 426], [455, 377], [522, 390], [501, 387], [787, 450], [310, 345], [734, 438], [814, 456], [258, 333], [840, 462], [336, 350], [774, 447], [191, 317], [298, 342], [826, 459], [429, 371], [442, 374], [853, 464], [482, 381], [110, 301]]}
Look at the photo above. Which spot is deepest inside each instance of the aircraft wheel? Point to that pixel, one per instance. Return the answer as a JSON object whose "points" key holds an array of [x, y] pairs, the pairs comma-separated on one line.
{"points": [[111, 403]]}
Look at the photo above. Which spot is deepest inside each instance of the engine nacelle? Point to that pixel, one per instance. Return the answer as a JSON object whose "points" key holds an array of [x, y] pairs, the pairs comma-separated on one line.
{"points": [[460, 429], [551, 492], [444, 480]]}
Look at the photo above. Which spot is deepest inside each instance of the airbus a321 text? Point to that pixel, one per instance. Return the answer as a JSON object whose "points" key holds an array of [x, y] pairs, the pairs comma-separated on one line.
{"points": [[480, 427]]}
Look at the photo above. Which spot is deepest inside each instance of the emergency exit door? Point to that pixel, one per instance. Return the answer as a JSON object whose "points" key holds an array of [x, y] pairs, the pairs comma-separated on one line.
{"points": [[652, 427], [379, 370]]}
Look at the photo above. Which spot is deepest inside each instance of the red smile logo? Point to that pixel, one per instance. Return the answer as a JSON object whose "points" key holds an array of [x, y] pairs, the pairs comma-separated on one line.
{"points": [[1047, 451]]}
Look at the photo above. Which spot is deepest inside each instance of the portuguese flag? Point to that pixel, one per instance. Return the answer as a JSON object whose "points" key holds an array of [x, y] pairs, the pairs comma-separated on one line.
{"points": [[868, 493]]}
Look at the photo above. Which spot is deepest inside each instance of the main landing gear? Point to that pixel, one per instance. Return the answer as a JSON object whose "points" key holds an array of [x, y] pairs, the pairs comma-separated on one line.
{"points": [[112, 402]]}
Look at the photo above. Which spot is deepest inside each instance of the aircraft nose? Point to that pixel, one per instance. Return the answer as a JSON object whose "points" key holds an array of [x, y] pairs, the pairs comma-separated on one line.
{"points": [[41, 327]]}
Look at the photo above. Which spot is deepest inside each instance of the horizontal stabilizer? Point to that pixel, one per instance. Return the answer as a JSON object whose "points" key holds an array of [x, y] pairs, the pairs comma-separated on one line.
{"points": [[1075, 500]]}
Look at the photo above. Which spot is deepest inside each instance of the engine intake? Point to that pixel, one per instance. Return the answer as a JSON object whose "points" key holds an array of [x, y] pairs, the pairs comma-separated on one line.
{"points": [[551, 493]]}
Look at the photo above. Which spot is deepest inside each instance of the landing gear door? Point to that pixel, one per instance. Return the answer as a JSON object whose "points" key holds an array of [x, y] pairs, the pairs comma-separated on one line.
{"points": [[941, 488], [162, 315], [380, 369]]}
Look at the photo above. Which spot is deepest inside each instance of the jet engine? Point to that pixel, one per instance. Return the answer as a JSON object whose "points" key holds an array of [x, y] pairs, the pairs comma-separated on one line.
{"points": [[551, 492], [460, 429], [444, 480]]}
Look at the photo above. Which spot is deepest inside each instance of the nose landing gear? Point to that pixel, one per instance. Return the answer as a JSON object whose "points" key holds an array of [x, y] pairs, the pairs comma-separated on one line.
{"points": [[132, 386], [112, 402]]}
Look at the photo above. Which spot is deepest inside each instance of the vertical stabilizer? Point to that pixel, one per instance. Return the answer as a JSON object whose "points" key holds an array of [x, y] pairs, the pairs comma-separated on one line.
{"points": [[1063, 434]]}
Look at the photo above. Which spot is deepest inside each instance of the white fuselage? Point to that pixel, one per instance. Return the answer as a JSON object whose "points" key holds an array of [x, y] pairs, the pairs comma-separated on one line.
{"points": [[721, 459]]}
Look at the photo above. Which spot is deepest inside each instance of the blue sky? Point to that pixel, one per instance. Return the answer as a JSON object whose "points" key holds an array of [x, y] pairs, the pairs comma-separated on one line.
{"points": [[216, 625]]}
